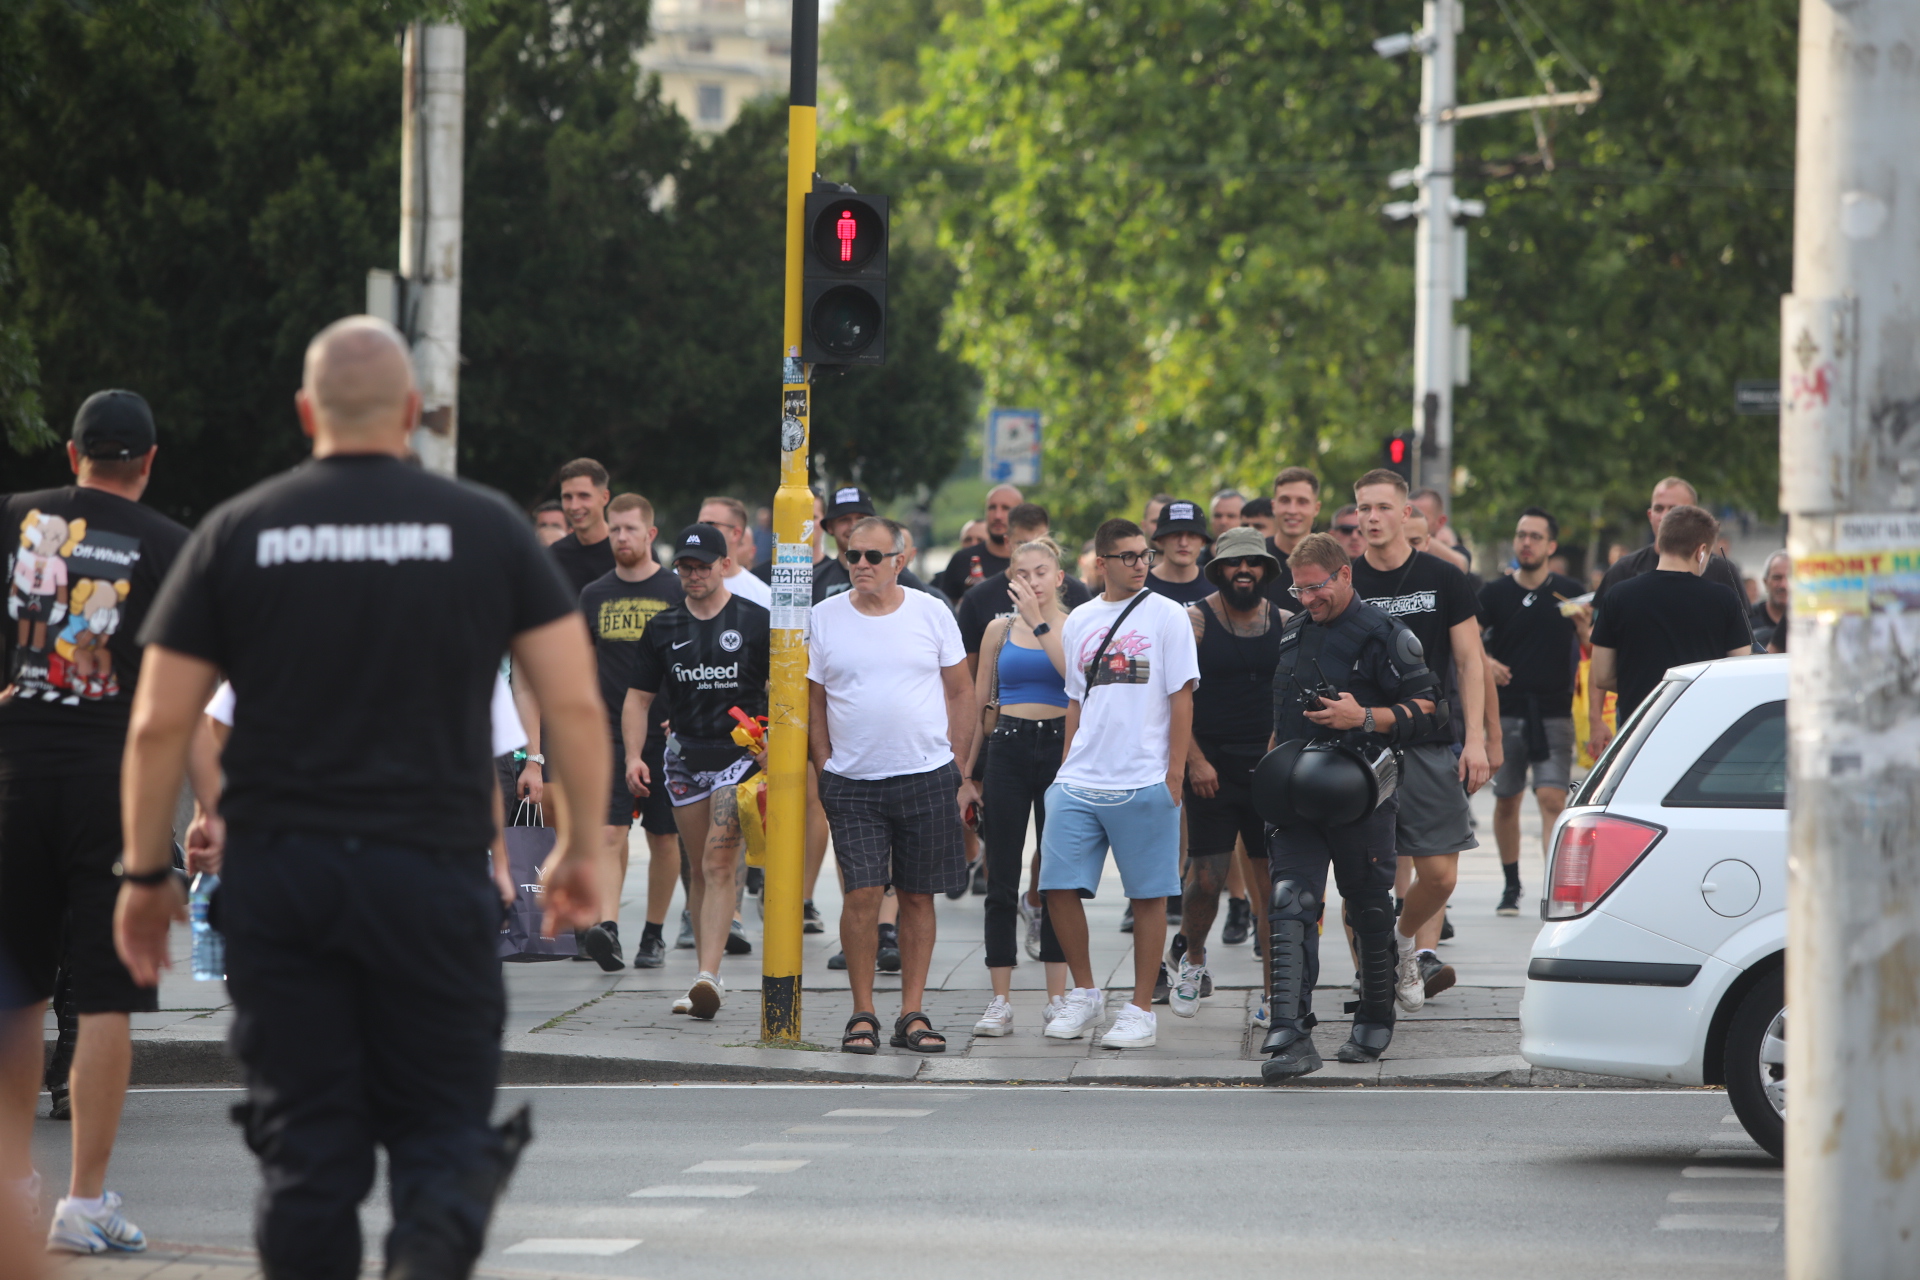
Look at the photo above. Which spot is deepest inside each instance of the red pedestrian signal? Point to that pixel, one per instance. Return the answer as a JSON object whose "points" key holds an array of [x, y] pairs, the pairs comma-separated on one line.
{"points": [[1397, 450], [844, 294]]}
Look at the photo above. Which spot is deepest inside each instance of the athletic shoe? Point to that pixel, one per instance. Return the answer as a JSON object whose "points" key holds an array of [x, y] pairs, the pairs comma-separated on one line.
{"points": [[977, 882], [102, 1230], [703, 997], [1174, 906], [1184, 999], [886, 957], [839, 961], [1261, 1016], [1163, 985], [1133, 1028], [651, 953], [756, 880], [810, 921], [683, 1005], [1079, 1010], [737, 943], [1434, 976], [1446, 926], [602, 945], [59, 1104], [1206, 982], [997, 1020], [1126, 919], [1030, 916], [1509, 901], [1239, 925], [1410, 985], [685, 941], [1054, 1005]]}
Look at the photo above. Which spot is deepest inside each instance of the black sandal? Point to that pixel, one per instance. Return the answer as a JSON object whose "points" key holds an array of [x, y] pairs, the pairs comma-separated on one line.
{"points": [[916, 1039], [866, 1042]]}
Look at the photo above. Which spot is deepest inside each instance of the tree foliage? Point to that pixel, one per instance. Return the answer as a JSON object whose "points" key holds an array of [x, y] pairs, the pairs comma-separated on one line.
{"points": [[191, 189], [1166, 222]]}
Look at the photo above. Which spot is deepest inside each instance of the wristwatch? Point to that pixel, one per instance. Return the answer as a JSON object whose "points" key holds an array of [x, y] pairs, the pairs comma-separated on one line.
{"points": [[540, 760], [1042, 629], [1366, 724]]}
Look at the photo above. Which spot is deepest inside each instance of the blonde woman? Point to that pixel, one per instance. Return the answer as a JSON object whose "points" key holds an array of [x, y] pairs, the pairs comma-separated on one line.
{"points": [[1022, 678]]}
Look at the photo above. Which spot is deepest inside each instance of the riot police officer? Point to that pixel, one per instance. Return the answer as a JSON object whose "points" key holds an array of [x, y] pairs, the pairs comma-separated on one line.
{"points": [[1350, 685]]}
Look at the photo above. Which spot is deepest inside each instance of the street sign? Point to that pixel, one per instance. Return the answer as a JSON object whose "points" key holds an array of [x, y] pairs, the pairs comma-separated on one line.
{"points": [[1757, 397], [1012, 450]]}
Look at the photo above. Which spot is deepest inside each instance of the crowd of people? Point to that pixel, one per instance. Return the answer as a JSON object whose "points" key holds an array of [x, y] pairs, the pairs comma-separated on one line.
{"points": [[1229, 698]]}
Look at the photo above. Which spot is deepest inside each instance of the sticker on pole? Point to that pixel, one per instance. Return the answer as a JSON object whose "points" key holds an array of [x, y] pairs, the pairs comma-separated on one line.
{"points": [[793, 413], [792, 586], [1875, 568]]}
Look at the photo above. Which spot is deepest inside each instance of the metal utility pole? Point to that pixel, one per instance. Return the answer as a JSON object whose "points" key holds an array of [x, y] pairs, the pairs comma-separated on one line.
{"points": [[432, 160], [1850, 484], [1440, 254], [792, 575]]}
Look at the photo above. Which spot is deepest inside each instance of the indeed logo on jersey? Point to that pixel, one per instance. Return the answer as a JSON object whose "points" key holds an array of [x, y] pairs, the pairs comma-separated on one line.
{"points": [[388, 543], [1401, 606], [729, 674]]}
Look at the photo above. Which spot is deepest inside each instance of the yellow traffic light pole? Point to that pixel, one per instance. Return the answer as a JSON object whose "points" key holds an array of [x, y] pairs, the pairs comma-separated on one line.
{"points": [[792, 577]]}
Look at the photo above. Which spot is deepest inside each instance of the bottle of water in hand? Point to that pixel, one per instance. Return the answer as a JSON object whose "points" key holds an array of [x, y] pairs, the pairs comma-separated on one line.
{"points": [[209, 948]]}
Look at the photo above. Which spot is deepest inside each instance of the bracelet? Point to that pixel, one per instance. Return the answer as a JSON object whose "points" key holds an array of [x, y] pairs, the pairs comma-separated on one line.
{"points": [[146, 879]]}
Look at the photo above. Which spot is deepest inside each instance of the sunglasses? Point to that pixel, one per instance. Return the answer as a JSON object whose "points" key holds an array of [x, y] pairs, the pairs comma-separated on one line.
{"points": [[1346, 530], [871, 557], [1241, 562]]}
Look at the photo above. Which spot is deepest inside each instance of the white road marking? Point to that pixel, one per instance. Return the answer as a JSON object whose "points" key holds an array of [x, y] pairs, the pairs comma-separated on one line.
{"points": [[1740, 1139], [902, 1112], [576, 1244], [711, 1191], [797, 1146], [1729, 1119], [840, 1128], [745, 1166], [1716, 1222], [1728, 1195], [1730, 1171]]}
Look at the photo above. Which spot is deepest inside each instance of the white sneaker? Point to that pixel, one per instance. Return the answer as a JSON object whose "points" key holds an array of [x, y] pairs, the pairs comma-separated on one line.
{"points": [[997, 1020], [1133, 1028], [1409, 984], [1184, 996], [81, 1230], [1080, 1011], [703, 997], [683, 1005], [1030, 916], [1261, 1017]]}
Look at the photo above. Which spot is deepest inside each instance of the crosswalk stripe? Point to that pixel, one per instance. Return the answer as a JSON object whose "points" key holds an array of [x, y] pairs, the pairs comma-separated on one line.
{"points": [[1730, 1171], [745, 1166], [903, 1112], [1716, 1222], [709, 1191], [575, 1244]]}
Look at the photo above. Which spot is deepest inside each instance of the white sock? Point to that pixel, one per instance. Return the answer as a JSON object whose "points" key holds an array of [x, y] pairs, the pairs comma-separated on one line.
{"points": [[1402, 941], [84, 1204]]}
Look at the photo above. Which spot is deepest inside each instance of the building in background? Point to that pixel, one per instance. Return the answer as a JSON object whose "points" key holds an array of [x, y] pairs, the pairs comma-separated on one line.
{"points": [[714, 56]]}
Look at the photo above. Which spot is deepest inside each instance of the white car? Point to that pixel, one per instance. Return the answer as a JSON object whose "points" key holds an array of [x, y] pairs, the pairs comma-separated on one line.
{"points": [[1662, 956]]}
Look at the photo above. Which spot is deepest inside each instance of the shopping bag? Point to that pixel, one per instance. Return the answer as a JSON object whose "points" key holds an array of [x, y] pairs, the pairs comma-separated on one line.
{"points": [[751, 796], [527, 850]]}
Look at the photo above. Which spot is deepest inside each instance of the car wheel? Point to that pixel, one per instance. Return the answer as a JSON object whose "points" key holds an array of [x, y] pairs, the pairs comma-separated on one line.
{"points": [[1756, 1063]]}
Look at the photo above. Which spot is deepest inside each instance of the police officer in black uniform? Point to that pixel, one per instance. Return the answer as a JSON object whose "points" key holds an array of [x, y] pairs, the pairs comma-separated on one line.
{"points": [[361, 606], [1348, 674]]}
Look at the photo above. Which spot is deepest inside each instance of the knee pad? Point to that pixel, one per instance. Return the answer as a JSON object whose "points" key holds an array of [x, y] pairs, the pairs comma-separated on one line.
{"points": [[1371, 914], [1293, 900]]}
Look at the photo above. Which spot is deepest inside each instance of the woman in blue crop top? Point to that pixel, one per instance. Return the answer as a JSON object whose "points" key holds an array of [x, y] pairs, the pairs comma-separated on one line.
{"points": [[1023, 678]]}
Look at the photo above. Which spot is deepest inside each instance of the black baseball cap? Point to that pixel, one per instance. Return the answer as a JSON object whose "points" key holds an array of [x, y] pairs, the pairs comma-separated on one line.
{"points": [[850, 500], [113, 425], [700, 542], [1181, 516]]}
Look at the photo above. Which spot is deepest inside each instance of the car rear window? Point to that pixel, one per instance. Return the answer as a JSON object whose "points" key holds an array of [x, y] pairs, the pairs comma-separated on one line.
{"points": [[1745, 768], [1612, 764]]}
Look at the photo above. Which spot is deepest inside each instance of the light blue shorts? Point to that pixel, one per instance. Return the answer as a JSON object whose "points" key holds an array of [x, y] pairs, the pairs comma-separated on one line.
{"points": [[1141, 827]]}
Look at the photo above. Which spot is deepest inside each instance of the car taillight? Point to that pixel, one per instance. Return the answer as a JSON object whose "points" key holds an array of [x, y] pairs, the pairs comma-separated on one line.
{"points": [[1593, 853]]}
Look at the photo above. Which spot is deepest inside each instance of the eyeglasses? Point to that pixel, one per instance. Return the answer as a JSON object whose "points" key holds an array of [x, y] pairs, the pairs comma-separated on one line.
{"points": [[693, 566], [1346, 530], [1241, 562], [1132, 559], [871, 557], [1300, 593]]}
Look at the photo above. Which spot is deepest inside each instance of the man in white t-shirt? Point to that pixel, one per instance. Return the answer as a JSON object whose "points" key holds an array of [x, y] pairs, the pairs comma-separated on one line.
{"points": [[1132, 667], [890, 720], [729, 516]]}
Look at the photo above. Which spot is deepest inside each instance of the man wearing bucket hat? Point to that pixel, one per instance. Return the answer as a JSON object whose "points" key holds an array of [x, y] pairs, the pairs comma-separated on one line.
{"points": [[1237, 632], [1345, 674], [1180, 538]]}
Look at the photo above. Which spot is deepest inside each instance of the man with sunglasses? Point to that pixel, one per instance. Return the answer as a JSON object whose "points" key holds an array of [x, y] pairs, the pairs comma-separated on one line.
{"points": [[846, 507], [1382, 694], [1346, 531], [709, 653]]}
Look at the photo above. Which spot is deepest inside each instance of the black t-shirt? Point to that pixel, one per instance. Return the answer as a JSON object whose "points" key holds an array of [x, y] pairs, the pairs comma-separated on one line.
{"points": [[706, 666], [1666, 619], [1182, 593], [361, 607], [1527, 631], [1426, 594], [617, 613], [1277, 585], [583, 562], [83, 568], [969, 566], [1763, 624], [989, 599], [830, 578], [1719, 569]]}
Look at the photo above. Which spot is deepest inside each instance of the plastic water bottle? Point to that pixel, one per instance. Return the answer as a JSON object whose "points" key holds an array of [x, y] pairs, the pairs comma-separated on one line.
{"points": [[209, 948]]}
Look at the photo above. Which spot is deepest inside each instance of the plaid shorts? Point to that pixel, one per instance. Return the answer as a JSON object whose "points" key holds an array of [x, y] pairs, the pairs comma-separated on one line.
{"points": [[903, 831]]}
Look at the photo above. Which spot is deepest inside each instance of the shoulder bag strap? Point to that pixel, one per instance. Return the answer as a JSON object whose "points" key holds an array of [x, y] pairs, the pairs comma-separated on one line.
{"points": [[1101, 652], [990, 714]]}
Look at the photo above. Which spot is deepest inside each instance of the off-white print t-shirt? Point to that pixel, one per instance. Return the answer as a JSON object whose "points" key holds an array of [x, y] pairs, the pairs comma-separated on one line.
{"points": [[886, 699], [1121, 744]]}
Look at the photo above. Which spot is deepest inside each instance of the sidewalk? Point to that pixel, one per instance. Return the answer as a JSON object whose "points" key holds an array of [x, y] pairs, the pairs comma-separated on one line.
{"points": [[569, 1022]]}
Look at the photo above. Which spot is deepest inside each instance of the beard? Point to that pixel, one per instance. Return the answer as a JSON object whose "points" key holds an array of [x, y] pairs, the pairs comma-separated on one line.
{"points": [[1241, 598]]}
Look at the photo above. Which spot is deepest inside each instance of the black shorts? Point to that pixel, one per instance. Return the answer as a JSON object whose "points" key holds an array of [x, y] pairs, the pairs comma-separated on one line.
{"points": [[901, 831], [698, 767], [1214, 821], [655, 809], [59, 840]]}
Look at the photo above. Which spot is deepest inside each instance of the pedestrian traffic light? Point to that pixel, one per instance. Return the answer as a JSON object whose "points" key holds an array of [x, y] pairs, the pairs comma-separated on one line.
{"points": [[1398, 451], [844, 298]]}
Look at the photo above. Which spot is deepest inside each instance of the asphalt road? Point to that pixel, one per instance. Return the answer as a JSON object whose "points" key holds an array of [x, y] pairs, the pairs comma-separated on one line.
{"points": [[721, 1183]]}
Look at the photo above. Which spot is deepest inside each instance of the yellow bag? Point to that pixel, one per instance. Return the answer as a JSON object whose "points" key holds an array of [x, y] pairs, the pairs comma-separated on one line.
{"points": [[1584, 755], [751, 796]]}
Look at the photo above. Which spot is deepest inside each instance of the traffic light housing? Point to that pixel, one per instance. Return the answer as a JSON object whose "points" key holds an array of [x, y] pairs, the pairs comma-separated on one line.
{"points": [[843, 315], [1397, 454]]}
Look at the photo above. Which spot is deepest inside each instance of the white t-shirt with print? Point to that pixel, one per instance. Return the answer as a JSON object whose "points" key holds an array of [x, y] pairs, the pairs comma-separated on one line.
{"points": [[1121, 742], [886, 698], [748, 587]]}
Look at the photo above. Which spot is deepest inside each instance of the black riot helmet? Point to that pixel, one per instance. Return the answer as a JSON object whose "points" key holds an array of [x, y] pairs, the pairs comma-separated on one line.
{"points": [[1321, 784]]}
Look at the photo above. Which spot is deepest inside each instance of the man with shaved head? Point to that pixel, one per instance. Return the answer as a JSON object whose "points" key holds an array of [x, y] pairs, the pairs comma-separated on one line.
{"points": [[973, 565], [360, 607]]}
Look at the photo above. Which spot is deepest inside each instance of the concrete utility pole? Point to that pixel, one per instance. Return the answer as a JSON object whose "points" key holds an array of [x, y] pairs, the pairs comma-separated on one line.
{"points": [[1440, 255], [1850, 484], [432, 175]]}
